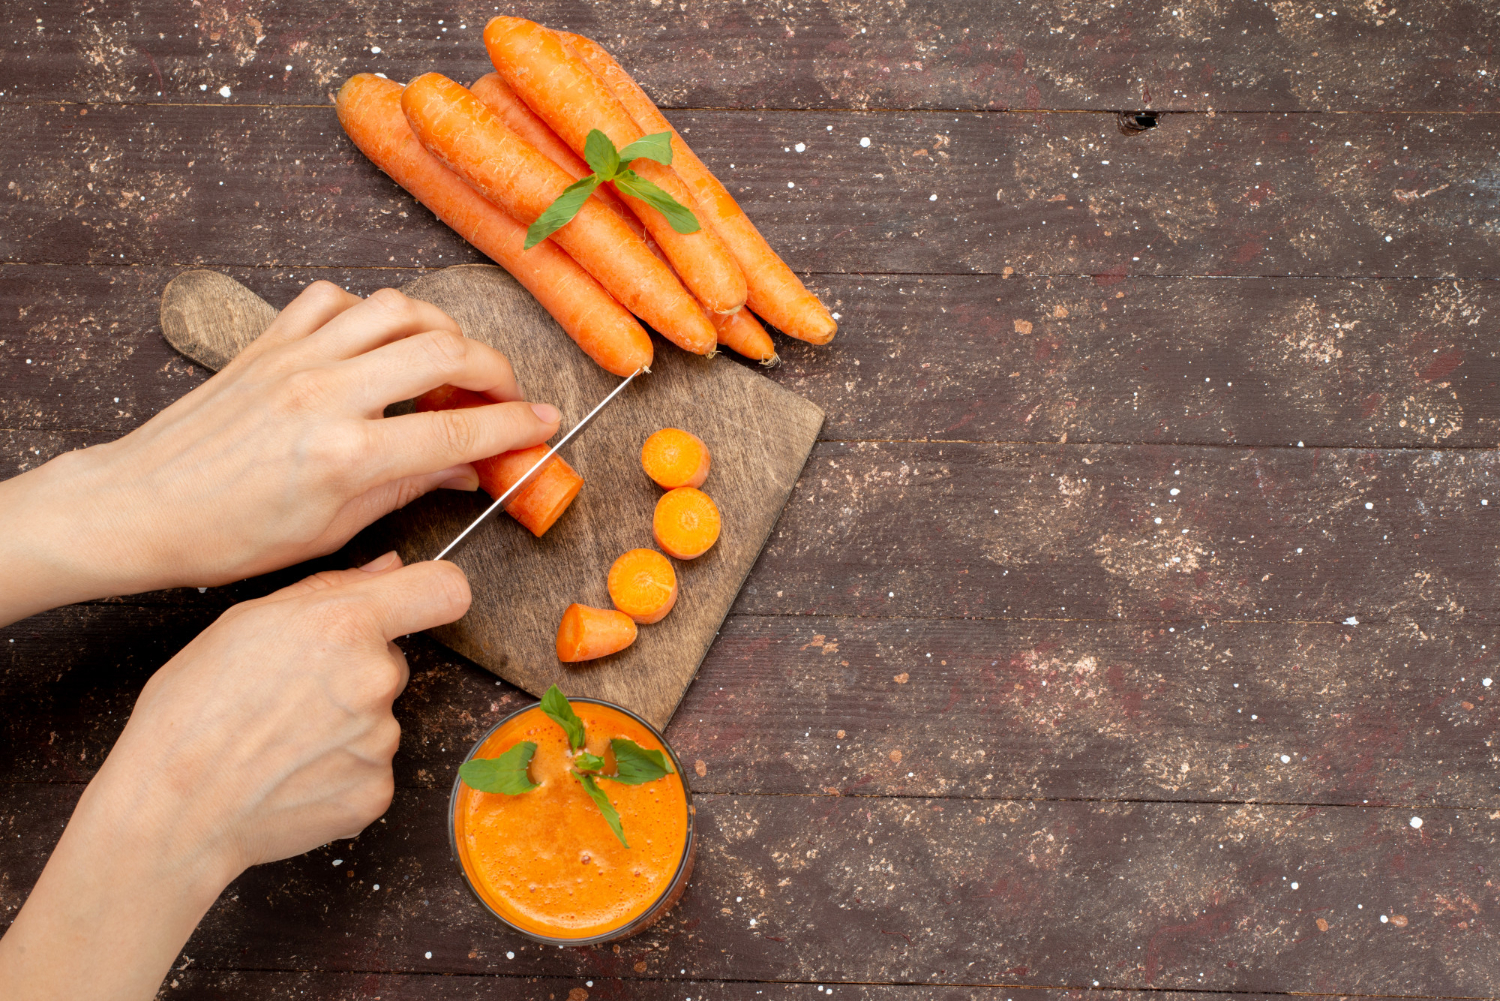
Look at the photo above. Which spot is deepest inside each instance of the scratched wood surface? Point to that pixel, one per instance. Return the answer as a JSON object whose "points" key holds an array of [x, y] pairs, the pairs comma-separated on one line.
{"points": [[979, 722]]}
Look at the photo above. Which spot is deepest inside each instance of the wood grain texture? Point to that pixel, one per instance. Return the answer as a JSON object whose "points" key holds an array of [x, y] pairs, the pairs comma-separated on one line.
{"points": [[1395, 714], [1252, 361], [1297, 194], [934, 891], [1237, 55], [758, 433]]}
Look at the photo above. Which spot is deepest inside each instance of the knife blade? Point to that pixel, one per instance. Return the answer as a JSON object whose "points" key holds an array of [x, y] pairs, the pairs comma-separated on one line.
{"points": [[500, 501]]}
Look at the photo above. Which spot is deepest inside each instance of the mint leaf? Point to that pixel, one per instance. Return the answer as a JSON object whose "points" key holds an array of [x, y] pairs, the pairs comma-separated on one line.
{"points": [[656, 147], [587, 762], [555, 704], [601, 156], [561, 211], [506, 774], [635, 765], [679, 215], [602, 802]]}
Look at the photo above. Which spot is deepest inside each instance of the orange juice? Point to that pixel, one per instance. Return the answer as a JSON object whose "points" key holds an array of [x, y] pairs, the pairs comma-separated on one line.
{"points": [[546, 862]]}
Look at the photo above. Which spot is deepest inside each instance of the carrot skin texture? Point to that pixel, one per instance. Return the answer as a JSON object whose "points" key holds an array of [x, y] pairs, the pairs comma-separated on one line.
{"points": [[643, 585], [587, 633], [369, 108], [675, 458], [774, 290], [561, 88], [686, 523], [541, 502], [471, 140]]}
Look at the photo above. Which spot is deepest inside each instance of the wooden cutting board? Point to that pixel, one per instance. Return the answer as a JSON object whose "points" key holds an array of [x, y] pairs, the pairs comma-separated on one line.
{"points": [[759, 434]]}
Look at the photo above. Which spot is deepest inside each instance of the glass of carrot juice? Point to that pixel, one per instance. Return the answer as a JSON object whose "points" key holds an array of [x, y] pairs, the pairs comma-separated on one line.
{"points": [[547, 860]]}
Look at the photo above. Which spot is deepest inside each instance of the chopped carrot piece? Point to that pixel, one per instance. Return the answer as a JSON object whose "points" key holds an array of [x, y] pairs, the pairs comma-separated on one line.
{"points": [[541, 502], [589, 633], [674, 458], [643, 585], [686, 523]]}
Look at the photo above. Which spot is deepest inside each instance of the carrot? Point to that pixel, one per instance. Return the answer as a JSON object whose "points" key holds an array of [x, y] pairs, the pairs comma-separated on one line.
{"points": [[643, 585], [561, 88], [541, 502], [686, 523], [521, 120], [458, 129], [674, 458], [742, 333], [773, 290], [587, 633], [369, 108]]}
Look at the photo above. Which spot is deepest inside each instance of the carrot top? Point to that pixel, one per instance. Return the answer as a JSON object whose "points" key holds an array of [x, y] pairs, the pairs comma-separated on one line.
{"points": [[609, 164]]}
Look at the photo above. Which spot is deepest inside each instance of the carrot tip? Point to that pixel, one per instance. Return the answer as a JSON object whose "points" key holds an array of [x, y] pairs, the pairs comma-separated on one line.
{"points": [[772, 362]]}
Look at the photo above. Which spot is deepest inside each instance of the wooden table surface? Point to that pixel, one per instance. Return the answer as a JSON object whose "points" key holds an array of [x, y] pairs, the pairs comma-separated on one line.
{"points": [[1129, 628]]}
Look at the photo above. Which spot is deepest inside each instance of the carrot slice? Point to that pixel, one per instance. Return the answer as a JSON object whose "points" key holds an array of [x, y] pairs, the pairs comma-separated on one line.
{"points": [[588, 633], [462, 132], [560, 87], [686, 523], [369, 108], [772, 289], [675, 458], [541, 502], [643, 585]]}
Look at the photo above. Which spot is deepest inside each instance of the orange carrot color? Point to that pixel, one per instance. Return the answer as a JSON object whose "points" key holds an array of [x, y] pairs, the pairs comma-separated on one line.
{"points": [[588, 633], [521, 120], [369, 108], [686, 523], [773, 290], [541, 502], [742, 333], [472, 141], [560, 87], [675, 458], [643, 585]]}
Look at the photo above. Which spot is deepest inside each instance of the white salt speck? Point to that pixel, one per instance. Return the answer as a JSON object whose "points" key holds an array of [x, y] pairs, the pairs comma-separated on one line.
{"points": [[1487, 682], [1294, 886], [376, 886], [865, 141], [890, 594], [1387, 240], [338, 861], [375, 49], [1174, 491], [1285, 759], [1075, 177], [800, 147], [838, 317], [1369, 506], [738, 899], [1416, 823], [1351, 621], [224, 90], [203, 86], [588, 983], [790, 184], [1384, 919], [428, 955], [1105, 162], [1158, 521], [288, 67], [1299, 445], [510, 955], [932, 198], [1485, 502], [752, 922], [117, 399]]}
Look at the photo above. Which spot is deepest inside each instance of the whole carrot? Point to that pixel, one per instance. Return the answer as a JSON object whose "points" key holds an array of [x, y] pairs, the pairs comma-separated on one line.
{"points": [[369, 108], [560, 88], [458, 129], [743, 334], [774, 291]]}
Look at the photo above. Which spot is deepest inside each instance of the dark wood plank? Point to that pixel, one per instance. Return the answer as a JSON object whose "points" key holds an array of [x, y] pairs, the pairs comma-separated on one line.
{"points": [[933, 193], [926, 54], [1381, 715], [916, 890], [1249, 361]]}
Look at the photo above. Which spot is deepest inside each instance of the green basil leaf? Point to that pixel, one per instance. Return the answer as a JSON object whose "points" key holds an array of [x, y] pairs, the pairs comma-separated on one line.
{"points": [[587, 762], [679, 215], [555, 704], [635, 765], [561, 211], [656, 147], [611, 816], [600, 154], [506, 774]]}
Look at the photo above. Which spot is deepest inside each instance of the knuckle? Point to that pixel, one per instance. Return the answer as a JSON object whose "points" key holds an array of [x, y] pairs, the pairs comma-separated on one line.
{"points": [[397, 303], [388, 737], [445, 350], [374, 797], [458, 435], [324, 290], [340, 449], [450, 583]]}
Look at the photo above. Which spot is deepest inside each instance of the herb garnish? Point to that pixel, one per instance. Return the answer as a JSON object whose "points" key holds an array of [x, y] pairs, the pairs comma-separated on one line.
{"points": [[609, 164], [634, 764]]}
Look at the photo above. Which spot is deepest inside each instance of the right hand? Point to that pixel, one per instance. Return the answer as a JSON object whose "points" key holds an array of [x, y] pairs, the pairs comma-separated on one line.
{"points": [[271, 733]]}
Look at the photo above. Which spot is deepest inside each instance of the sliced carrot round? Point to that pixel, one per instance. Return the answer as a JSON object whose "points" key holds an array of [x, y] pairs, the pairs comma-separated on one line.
{"points": [[643, 585], [588, 633], [674, 458], [686, 523]]}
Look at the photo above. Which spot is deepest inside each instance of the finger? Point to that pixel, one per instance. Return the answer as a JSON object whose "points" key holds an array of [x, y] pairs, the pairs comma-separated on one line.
{"points": [[414, 598], [384, 317], [314, 306], [413, 365], [325, 579], [416, 443]]}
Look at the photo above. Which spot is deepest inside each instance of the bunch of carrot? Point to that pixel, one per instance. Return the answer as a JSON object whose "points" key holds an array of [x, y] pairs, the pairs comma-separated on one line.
{"points": [[642, 584], [488, 160]]}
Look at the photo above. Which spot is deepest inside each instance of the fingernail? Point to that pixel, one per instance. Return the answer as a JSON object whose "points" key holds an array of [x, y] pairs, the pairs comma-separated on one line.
{"points": [[380, 563], [546, 413]]}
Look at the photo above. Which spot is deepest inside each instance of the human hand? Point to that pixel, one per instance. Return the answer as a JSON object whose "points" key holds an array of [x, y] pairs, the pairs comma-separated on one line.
{"points": [[269, 734], [282, 456]]}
